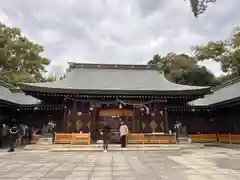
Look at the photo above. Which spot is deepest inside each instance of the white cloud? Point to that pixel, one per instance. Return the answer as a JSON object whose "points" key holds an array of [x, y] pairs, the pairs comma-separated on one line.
{"points": [[213, 66], [3, 17], [113, 31]]}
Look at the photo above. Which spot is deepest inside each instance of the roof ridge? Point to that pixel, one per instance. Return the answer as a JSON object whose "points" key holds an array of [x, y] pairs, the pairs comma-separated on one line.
{"points": [[7, 85], [11, 87], [227, 83], [73, 65]]}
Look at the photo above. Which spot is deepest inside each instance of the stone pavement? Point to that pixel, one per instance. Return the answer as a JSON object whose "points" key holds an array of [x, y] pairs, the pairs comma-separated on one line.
{"points": [[197, 164]]}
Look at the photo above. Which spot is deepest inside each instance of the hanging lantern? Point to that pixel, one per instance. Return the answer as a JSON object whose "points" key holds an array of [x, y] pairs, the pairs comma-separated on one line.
{"points": [[147, 110], [161, 112], [120, 105]]}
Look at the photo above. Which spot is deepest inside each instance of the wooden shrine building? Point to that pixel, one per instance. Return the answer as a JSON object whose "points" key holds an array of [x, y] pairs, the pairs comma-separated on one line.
{"points": [[24, 109], [219, 112], [90, 94], [12, 100], [140, 95]]}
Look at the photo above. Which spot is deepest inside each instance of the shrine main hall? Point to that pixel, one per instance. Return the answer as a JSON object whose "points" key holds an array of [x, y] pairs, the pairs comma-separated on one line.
{"points": [[139, 95]]}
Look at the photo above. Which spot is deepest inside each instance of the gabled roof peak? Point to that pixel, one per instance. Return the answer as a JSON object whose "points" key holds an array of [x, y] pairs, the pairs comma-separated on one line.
{"points": [[73, 65]]}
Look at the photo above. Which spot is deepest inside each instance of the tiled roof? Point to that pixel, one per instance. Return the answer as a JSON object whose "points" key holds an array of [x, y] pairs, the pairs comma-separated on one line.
{"points": [[225, 92], [105, 77], [16, 97]]}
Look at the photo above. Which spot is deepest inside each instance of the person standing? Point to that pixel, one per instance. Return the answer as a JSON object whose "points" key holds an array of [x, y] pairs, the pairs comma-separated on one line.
{"points": [[123, 134], [30, 134], [26, 135], [21, 134], [1, 135], [13, 137], [105, 135], [53, 134], [5, 135]]}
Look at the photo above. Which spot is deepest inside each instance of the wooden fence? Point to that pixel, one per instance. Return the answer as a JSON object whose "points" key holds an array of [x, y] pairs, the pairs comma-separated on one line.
{"points": [[74, 138], [213, 138], [140, 138], [132, 138]]}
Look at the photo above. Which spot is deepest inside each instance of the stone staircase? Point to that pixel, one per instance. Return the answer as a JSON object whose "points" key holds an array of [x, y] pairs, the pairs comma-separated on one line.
{"points": [[184, 140], [111, 147], [44, 140]]}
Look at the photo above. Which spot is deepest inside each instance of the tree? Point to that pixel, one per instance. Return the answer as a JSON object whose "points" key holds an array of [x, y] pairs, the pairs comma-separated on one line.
{"points": [[199, 6], [20, 59], [49, 79], [182, 69], [160, 61], [226, 52]]}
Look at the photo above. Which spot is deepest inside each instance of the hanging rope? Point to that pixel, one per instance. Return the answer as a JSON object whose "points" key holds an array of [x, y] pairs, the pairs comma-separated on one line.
{"points": [[141, 104], [137, 104]]}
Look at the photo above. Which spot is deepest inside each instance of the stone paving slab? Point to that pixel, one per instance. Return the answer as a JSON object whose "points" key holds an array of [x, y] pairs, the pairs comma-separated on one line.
{"points": [[202, 164]]}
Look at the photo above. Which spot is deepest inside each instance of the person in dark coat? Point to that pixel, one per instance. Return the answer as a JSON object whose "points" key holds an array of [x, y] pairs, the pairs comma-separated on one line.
{"points": [[13, 135], [30, 131], [105, 134], [53, 134], [1, 135]]}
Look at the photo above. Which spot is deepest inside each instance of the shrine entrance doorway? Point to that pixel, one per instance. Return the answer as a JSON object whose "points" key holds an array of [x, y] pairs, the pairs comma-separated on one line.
{"points": [[113, 117]]}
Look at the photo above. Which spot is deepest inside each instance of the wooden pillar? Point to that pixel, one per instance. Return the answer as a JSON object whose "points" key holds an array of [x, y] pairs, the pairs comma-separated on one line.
{"points": [[135, 119], [64, 127], [94, 123], [64, 124], [138, 120], [68, 117], [166, 128]]}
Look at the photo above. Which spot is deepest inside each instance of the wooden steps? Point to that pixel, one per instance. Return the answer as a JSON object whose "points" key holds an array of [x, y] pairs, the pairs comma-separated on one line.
{"points": [[113, 147], [183, 140]]}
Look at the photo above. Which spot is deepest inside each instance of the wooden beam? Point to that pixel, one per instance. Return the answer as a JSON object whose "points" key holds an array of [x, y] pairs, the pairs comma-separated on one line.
{"points": [[166, 128]]}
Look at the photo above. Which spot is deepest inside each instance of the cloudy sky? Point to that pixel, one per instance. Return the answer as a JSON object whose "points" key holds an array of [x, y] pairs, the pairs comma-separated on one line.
{"points": [[118, 31]]}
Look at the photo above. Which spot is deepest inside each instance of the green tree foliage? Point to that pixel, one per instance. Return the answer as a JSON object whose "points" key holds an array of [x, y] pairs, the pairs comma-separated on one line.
{"points": [[182, 69], [20, 59], [226, 52], [199, 6]]}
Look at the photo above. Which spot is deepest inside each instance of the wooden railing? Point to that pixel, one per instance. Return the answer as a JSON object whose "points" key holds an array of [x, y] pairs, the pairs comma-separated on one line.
{"points": [[204, 138], [80, 138], [73, 138], [140, 138], [234, 138], [212, 138], [224, 138], [135, 138]]}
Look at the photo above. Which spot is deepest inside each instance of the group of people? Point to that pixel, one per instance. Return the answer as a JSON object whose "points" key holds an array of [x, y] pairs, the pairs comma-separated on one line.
{"points": [[123, 130], [20, 134]]}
